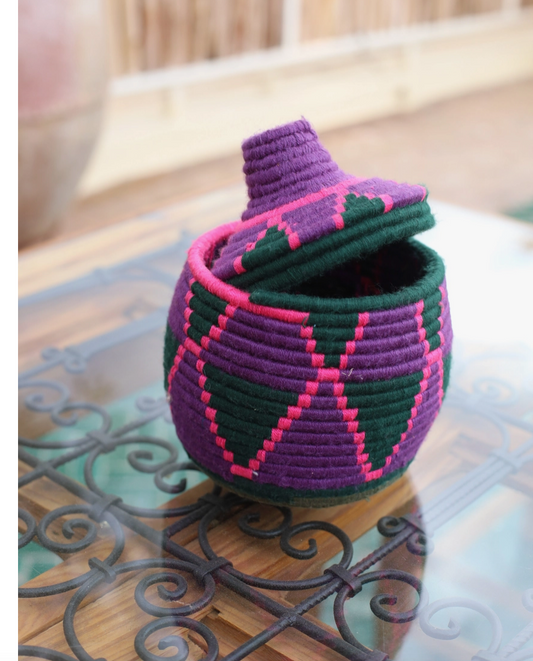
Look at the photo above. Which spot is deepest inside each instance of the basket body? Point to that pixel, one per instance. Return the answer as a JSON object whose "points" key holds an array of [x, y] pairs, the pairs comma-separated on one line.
{"points": [[306, 407]]}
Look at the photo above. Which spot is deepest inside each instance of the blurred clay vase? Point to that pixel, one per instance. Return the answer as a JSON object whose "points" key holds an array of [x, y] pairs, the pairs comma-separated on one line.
{"points": [[62, 83]]}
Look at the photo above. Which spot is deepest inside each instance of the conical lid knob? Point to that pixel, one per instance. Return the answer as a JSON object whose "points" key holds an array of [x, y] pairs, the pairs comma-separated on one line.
{"points": [[284, 164]]}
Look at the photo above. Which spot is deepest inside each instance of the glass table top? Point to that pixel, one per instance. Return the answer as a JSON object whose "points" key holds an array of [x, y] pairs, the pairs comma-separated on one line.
{"points": [[127, 551]]}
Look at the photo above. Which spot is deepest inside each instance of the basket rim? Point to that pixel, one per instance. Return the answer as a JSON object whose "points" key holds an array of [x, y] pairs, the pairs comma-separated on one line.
{"points": [[295, 307]]}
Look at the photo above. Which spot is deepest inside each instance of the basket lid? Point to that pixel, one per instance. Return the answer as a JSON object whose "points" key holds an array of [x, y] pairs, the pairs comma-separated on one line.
{"points": [[305, 216]]}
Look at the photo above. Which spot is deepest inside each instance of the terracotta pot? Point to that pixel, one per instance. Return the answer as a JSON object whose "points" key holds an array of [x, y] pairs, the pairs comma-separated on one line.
{"points": [[62, 82]]}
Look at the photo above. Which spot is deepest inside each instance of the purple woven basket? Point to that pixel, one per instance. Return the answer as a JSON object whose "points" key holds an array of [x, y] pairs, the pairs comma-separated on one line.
{"points": [[308, 345]]}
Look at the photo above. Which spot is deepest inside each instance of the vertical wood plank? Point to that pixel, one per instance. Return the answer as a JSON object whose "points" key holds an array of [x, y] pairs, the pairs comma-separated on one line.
{"points": [[134, 32], [152, 34], [180, 18], [275, 28]]}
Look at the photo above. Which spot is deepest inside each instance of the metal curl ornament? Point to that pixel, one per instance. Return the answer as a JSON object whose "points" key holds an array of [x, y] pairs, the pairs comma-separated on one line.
{"points": [[454, 630], [61, 420], [419, 544], [165, 594], [165, 620], [68, 531], [181, 486], [31, 527], [135, 460], [312, 550], [377, 602], [287, 548], [138, 459], [72, 360], [495, 391], [175, 641], [153, 406], [36, 401], [43, 653], [54, 445], [255, 517], [390, 526]]}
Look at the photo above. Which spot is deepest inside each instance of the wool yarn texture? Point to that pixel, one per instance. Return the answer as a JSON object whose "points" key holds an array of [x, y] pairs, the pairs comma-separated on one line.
{"points": [[308, 344]]}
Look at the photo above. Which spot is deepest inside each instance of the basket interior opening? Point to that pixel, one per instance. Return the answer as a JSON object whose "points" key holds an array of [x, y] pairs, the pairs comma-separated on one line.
{"points": [[387, 271]]}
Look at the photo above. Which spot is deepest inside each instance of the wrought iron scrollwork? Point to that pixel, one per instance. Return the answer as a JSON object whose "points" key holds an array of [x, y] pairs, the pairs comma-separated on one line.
{"points": [[31, 528], [175, 641], [163, 589], [69, 527]]}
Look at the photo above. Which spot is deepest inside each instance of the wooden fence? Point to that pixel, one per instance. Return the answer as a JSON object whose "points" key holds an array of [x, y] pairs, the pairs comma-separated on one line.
{"points": [[155, 34]]}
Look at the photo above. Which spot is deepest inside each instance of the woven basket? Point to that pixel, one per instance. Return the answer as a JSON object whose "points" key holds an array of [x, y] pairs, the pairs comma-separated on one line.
{"points": [[308, 346]]}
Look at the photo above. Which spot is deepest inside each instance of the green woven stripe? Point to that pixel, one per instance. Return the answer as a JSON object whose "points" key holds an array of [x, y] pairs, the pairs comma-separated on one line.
{"points": [[381, 408], [425, 287], [376, 431], [247, 428], [357, 209], [306, 497], [271, 404], [199, 323], [332, 360], [259, 416], [431, 323], [247, 387], [208, 314], [231, 422], [394, 394], [337, 336], [332, 348], [244, 446], [272, 246], [432, 328], [315, 258], [380, 441], [169, 352], [324, 320], [431, 304], [237, 398], [395, 422], [195, 335], [261, 260], [209, 299], [328, 325], [370, 407], [369, 388], [272, 234], [434, 342], [330, 339], [384, 426]]}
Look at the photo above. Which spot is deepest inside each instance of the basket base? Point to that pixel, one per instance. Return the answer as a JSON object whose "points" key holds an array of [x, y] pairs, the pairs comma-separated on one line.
{"points": [[280, 496]]}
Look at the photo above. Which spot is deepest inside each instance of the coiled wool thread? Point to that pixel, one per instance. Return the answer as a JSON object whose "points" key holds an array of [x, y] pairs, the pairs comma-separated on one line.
{"points": [[307, 350]]}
